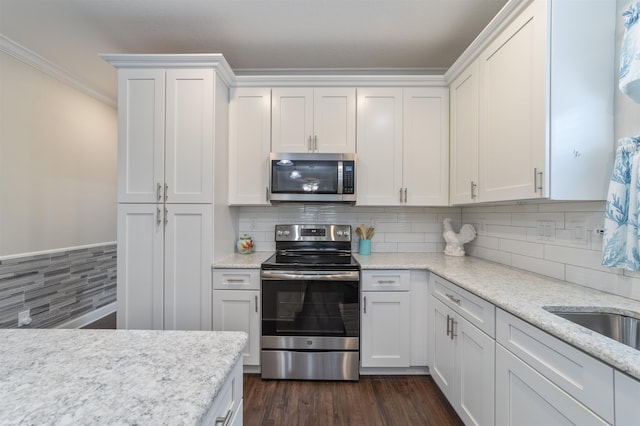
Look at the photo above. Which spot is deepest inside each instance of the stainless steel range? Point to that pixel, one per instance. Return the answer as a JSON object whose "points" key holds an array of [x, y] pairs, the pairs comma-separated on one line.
{"points": [[311, 305]]}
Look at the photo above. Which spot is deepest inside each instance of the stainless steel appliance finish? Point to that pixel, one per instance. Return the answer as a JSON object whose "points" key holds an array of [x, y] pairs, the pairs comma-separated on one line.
{"points": [[311, 177], [311, 305]]}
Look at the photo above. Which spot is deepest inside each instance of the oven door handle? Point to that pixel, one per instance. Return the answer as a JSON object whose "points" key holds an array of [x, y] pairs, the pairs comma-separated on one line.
{"points": [[311, 275]]}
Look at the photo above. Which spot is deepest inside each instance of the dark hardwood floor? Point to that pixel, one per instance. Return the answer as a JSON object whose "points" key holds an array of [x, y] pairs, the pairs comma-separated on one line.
{"points": [[374, 400], [107, 322]]}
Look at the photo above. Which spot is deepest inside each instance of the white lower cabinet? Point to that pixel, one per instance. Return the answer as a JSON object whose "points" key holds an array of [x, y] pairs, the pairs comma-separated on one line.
{"points": [[228, 405], [462, 350], [386, 319], [627, 397], [164, 266], [236, 307], [543, 380]]}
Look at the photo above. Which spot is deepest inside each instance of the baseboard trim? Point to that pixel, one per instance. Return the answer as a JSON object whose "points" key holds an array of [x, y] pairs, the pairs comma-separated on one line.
{"points": [[392, 371], [90, 317]]}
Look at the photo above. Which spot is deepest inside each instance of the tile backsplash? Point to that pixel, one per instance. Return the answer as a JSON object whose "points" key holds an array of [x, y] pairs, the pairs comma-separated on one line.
{"points": [[397, 229], [555, 239]]}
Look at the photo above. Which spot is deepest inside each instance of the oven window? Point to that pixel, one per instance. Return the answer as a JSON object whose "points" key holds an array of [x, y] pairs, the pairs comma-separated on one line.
{"points": [[310, 308], [304, 177]]}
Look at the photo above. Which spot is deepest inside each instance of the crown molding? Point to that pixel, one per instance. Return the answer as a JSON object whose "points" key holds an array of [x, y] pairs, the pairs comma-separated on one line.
{"points": [[503, 18], [196, 60], [340, 77], [36, 61]]}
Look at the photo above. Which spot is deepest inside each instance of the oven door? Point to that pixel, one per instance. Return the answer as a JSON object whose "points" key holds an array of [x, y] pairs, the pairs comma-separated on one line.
{"points": [[310, 310]]}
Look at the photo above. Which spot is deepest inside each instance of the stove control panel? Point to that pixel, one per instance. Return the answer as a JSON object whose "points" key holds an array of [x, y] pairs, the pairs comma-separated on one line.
{"points": [[313, 233]]}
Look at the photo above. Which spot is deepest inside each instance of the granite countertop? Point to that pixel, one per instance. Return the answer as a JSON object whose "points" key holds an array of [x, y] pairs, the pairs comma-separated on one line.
{"points": [[243, 261], [524, 294], [125, 377], [519, 292]]}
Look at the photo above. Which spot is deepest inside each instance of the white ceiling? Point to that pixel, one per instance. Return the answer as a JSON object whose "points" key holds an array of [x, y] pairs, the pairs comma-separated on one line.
{"points": [[251, 34]]}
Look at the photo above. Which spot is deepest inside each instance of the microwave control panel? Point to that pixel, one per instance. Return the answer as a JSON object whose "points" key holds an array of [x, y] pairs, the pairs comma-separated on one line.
{"points": [[348, 177]]}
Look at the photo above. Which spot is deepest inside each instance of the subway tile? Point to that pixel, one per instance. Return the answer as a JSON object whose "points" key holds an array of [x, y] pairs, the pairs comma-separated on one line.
{"points": [[404, 237], [602, 280], [573, 206], [540, 266], [531, 219], [524, 248]]}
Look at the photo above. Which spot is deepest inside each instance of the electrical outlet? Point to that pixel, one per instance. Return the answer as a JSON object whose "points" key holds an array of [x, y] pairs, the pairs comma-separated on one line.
{"points": [[24, 318], [546, 230], [579, 233]]}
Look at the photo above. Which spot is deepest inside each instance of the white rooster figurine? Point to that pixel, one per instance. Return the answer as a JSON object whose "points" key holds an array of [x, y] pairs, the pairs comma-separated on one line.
{"points": [[455, 241]]}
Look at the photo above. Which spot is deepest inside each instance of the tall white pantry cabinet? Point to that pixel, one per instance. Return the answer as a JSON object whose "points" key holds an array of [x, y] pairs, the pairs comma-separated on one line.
{"points": [[165, 193]]}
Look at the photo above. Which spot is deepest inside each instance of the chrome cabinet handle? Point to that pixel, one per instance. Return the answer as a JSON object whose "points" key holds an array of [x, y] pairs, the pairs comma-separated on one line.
{"points": [[315, 143], [535, 180], [159, 188], [365, 305], [448, 325], [224, 421], [453, 328], [256, 296], [453, 298], [159, 218], [166, 216], [235, 280], [310, 149], [386, 281], [473, 190], [267, 194], [405, 195], [401, 195], [166, 189]]}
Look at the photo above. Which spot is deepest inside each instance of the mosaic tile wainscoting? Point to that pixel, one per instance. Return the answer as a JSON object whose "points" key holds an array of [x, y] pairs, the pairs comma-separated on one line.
{"points": [[58, 286]]}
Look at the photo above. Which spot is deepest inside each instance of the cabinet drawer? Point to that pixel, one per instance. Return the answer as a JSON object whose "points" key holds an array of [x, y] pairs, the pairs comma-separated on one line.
{"points": [[581, 376], [474, 309], [228, 401], [386, 280], [236, 279]]}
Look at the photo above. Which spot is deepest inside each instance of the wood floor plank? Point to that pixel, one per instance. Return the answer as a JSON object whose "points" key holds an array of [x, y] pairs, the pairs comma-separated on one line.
{"points": [[374, 401]]}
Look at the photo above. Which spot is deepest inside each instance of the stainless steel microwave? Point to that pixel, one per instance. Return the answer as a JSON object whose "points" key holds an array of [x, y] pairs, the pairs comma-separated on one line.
{"points": [[312, 177]]}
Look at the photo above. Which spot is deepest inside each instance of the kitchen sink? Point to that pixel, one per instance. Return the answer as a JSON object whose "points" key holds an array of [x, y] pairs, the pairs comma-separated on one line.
{"points": [[615, 325]]}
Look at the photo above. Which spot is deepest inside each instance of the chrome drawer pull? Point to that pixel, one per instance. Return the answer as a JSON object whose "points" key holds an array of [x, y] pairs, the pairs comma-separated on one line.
{"points": [[386, 281], [452, 298], [224, 420]]}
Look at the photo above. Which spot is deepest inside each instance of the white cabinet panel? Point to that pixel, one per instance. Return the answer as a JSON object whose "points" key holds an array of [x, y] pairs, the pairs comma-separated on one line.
{"points": [[249, 145], [464, 136], [140, 269], [305, 119], [188, 254], [379, 132], [238, 310], [419, 317], [141, 96], [189, 136], [627, 396], [425, 147], [385, 329], [525, 397]]}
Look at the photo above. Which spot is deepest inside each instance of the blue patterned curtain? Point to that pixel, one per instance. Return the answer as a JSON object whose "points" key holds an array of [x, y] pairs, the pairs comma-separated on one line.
{"points": [[630, 53], [621, 242]]}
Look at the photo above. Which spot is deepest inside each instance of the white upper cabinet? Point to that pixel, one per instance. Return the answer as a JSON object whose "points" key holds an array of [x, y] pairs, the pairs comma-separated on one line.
{"points": [[250, 142], [403, 152], [425, 146], [313, 120], [543, 118], [165, 126], [512, 113], [464, 136]]}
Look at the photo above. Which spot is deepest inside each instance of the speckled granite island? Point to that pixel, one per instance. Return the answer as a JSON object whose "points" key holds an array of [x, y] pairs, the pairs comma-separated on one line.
{"points": [[124, 377]]}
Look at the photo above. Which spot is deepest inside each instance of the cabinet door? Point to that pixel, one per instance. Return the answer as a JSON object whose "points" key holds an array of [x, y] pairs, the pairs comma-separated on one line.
{"points": [[237, 310], [189, 136], [512, 138], [141, 94], [425, 158], [525, 397], [140, 266], [379, 125], [419, 317], [464, 136], [442, 349], [386, 329], [627, 395], [475, 358], [188, 257], [250, 143], [334, 119], [292, 119]]}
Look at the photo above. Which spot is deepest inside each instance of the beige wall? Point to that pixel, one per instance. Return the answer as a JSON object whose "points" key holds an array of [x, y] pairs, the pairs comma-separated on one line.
{"points": [[57, 163]]}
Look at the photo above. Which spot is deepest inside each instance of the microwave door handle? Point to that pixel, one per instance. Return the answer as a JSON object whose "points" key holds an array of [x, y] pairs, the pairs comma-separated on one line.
{"points": [[340, 177]]}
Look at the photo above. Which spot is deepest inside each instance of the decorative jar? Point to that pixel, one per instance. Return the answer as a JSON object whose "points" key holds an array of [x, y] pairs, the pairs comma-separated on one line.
{"points": [[245, 244]]}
